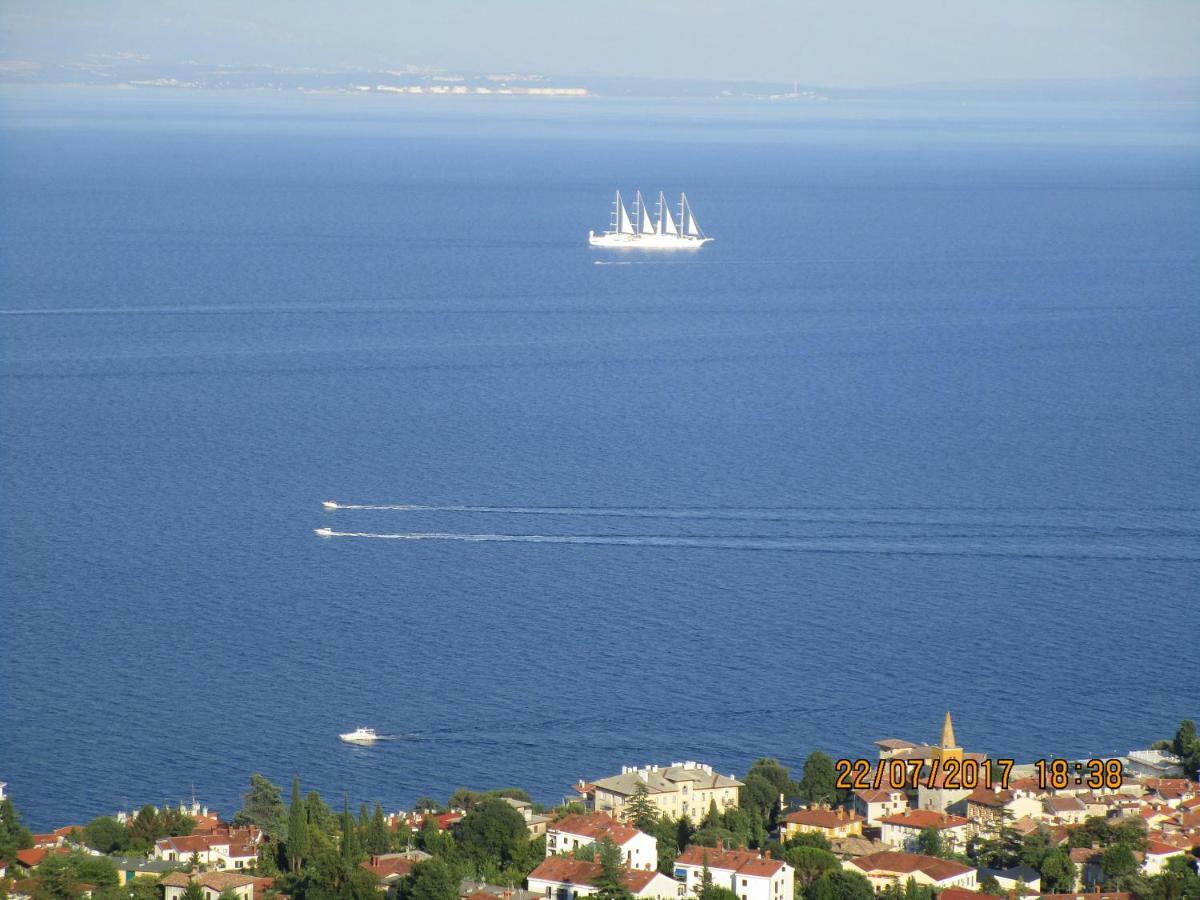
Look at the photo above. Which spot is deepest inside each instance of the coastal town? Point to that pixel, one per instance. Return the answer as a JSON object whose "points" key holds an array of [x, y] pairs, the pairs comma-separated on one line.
{"points": [[914, 821]]}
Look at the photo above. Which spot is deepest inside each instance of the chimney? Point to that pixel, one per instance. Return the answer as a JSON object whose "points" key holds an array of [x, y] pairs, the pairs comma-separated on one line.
{"points": [[720, 844], [767, 854]]}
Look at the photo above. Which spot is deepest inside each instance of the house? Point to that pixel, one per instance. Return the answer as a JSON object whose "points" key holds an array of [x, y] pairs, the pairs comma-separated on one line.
{"points": [[27, 889], [682, 788], [1157, 854], [832, 823], [213, 884], [638, 849], [1022, 879], [1087, 867], [234, 850], [33, 856], [131, 867], [874, 805], [988, 808], [749, 874], [481, 890], [894, 867], [903, 830], [566, 878], [388, 868], [535, 823], [183, 849], [1066, 810], [1152, 763]]}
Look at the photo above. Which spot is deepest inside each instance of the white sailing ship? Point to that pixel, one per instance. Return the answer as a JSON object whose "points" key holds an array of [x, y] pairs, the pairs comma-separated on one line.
{"points": [[643, 231]]}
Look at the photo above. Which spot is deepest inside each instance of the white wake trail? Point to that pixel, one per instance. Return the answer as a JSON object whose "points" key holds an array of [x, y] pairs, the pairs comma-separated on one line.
{"points": [[850, 546]]}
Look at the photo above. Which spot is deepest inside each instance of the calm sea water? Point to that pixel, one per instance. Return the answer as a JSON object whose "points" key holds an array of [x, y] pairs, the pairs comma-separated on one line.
{"points": [[917, 431]]}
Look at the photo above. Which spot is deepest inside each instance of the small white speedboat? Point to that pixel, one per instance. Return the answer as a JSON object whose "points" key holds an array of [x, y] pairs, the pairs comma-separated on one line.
{"points": [[329, 504], [323, 532], [360, 736]]}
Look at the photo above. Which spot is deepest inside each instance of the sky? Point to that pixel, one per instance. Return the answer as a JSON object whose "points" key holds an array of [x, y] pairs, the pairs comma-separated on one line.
{"points": [[839, 43]]}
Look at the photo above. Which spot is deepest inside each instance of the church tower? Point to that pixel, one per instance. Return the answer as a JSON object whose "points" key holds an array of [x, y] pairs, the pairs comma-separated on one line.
{"points": [[946, 748]]}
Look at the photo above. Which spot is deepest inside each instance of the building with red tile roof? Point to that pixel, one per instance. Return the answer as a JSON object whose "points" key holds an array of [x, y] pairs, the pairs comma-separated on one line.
{"points": [[895, 867], [749, 874], [565, 878], [832, 823], [904, 830], [212, 883], [873, 805], [638, 849]]}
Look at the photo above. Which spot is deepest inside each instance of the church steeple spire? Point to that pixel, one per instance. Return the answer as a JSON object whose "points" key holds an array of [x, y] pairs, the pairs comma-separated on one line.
{"points": [[946, 748], [947, 733]]}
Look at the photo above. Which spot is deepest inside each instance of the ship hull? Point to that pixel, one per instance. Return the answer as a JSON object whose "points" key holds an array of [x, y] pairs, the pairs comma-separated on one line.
{"points": [[646, 241]]}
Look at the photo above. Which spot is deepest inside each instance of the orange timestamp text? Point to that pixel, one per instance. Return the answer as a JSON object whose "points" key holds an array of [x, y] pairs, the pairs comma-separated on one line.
{"points": [[969, 774]]}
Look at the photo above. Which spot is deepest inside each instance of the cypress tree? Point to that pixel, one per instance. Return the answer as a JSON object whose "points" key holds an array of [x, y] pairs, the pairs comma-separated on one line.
{"points": [[348, 853], [298, 842], [378, 839]]}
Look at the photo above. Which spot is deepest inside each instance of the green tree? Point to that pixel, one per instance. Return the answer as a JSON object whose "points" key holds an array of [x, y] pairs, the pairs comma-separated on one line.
{"points": [[56, 880], [929, 842], [760, 798], [1116, 863], [683, 831], [1058, 871], [841, 885], [775, 772], [145, 828], [97, 870], [640, 810], [433, 840], [818, 783], [350, 849], [810, 863], [608, 882], [262, 805], [330, 876], [426, 804], [267, 862], [379, 837], [227, 895], [914, 891], [106, 834], [1035, 846], [432, 879], [297, 842], [193, 891], [1186, 745], [666, 836], [493, 830], [809, 839]]}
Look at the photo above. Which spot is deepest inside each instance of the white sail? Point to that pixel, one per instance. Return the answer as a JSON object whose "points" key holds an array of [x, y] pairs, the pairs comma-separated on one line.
{"points": [[666, 225], [624, 223], [668, 230], [645, 223]]}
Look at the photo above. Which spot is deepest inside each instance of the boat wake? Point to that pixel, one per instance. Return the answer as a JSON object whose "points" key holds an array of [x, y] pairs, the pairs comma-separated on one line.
{"points": [[847, 546]]}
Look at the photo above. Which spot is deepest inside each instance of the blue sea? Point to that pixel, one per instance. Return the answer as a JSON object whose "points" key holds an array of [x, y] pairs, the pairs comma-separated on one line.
{"points": [[917, 431]]}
